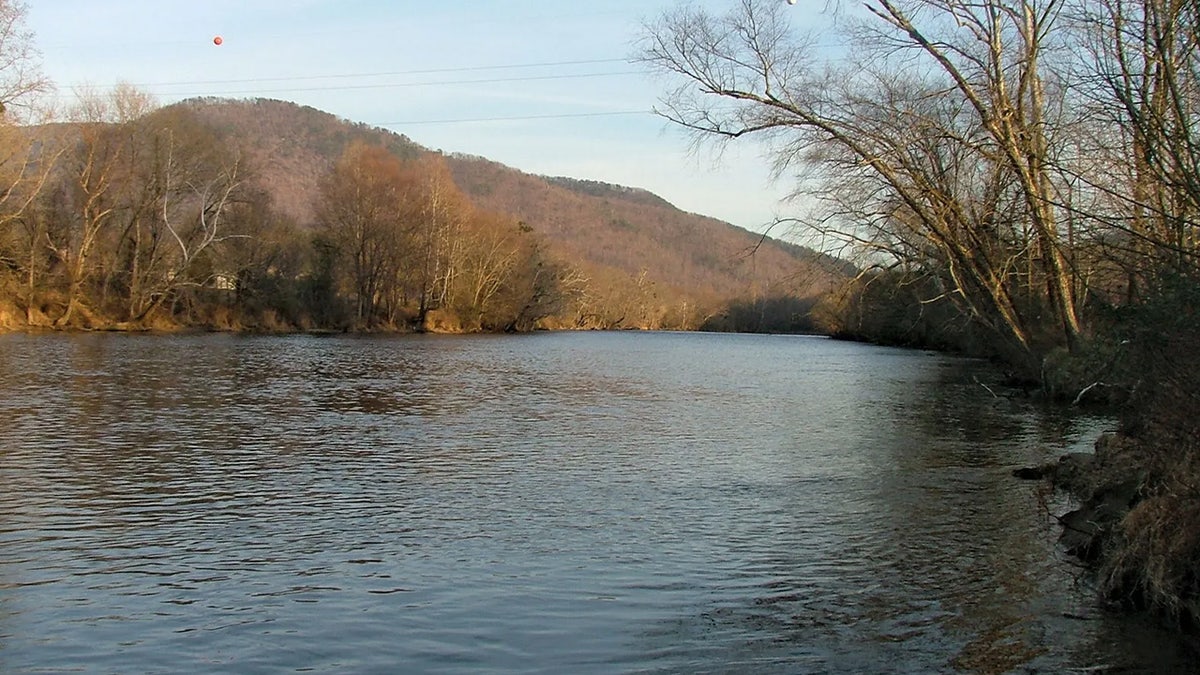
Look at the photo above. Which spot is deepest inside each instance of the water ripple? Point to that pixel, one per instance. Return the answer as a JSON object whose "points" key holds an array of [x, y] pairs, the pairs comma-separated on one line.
{"points": [[641, 503]]}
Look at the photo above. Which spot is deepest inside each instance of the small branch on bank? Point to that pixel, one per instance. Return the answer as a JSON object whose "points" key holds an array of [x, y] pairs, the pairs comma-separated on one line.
{"points": [[1083, 392], [989, 389]]}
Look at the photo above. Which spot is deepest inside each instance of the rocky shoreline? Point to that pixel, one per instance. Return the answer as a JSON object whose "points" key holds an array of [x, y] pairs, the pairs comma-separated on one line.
{"points": [[1135, 525]]}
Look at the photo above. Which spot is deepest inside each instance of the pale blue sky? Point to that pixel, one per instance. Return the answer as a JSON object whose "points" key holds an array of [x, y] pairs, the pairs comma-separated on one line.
{"points": [[546, 85]]}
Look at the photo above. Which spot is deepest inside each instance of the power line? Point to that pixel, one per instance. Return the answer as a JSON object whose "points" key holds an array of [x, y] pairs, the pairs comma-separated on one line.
{"points": [[428, 71], [395, 85], [516, 118]]}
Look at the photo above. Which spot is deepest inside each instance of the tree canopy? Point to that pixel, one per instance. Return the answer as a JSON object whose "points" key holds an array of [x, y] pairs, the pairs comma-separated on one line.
{"points": [[979, 146]]}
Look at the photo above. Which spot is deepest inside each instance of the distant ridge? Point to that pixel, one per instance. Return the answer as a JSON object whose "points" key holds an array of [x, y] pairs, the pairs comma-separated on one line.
{"points": [[623, 239], [601, 189]]}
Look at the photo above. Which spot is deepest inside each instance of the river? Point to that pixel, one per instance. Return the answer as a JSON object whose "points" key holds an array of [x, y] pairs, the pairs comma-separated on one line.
{"points": [[565, 502]]}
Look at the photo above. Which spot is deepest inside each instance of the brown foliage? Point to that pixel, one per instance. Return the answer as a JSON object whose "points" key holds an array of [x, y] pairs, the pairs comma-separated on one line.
{"points": [[287, 216], [620, 241], [616, 232]]}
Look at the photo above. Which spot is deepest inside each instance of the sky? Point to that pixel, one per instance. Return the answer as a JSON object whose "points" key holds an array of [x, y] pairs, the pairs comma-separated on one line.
{"points": [[542, 86]]}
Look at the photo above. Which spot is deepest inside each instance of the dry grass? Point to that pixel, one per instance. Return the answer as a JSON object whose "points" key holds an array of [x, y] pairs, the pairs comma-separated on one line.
{"points": [[1151, 558], [1141, 492]]}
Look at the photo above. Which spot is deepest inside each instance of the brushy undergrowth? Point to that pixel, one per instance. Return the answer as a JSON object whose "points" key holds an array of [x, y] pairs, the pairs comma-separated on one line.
{"points": [[1149, 559]]}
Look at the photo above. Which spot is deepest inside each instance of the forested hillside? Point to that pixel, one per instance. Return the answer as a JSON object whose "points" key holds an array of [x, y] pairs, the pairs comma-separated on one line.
{"points": [[638, 260], [266, 215], [624, 235]]}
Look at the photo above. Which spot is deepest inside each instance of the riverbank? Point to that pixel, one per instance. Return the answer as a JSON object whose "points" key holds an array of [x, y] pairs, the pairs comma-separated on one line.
{"points": [[1137, 522], [1136, 525], [14, 320]]}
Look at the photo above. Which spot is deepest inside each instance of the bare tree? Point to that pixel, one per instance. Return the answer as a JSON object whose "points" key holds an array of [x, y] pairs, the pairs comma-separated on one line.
{"points": [[359, 210], [98, 161], [21, 78], [932, 149], [194, 207], [435, 213], [26, 160], [1139, 74], [491, 251]]}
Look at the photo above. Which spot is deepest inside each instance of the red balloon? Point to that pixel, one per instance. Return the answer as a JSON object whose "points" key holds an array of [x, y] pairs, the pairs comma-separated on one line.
{"points": [[217, 40]]}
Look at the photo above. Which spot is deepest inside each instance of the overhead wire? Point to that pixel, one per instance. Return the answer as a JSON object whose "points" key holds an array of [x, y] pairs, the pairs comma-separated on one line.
{"points": [[513, 118], [150, 87], [426, 71], [163, 89], [401, 85]]}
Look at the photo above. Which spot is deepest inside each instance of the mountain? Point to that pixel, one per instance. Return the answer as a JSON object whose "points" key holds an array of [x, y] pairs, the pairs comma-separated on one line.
{"points": [[623, 240]]}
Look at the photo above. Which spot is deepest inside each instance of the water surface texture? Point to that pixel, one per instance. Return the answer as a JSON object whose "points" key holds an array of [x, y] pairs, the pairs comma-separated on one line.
{"points": [[591, 502]]}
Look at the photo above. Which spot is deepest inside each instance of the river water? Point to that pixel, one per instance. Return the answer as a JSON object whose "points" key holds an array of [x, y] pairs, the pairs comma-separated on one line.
{"points": [[581, 502]]}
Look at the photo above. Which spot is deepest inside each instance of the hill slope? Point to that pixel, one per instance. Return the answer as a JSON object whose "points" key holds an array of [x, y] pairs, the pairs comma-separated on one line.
{"points": [[637, 232], [621, 239]]}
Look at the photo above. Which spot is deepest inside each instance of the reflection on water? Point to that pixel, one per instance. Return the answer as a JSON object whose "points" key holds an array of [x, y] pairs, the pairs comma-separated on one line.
{"points": [[578, 502]]}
